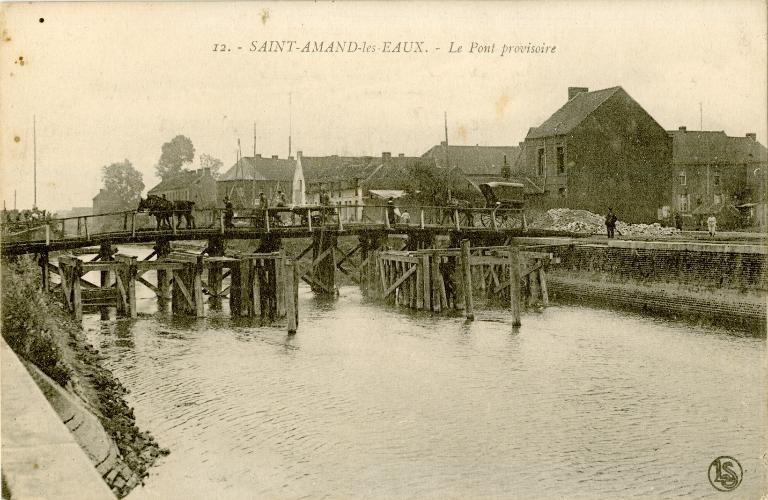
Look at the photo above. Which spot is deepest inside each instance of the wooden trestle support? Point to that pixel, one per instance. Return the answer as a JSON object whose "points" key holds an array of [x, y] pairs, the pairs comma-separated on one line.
{"points": [[262, 285], [443, 280]]}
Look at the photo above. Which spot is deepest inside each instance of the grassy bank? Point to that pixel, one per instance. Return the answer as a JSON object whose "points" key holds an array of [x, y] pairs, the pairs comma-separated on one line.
{"points": [[39, 331]]}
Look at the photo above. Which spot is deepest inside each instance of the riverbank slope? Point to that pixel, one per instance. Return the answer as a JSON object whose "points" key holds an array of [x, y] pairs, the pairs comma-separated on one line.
{"points": [[41, 333]]}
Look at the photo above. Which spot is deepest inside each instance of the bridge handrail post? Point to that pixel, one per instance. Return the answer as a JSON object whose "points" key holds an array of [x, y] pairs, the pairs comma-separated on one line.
{"points": [[47, 235], [85, 226], [421, 218], [173, 226], [456, 218], [309, 219], [341, 226], [493, 219], [266, 218], [133, 224]]}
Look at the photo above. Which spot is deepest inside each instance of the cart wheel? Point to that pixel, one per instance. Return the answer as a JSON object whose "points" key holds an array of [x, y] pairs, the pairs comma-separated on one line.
{"points": [[485, 220]]}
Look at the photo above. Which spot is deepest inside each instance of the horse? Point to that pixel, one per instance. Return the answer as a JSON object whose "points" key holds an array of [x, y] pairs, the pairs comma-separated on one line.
{"points": [[160, 208], [163, 211], [184, 208]]}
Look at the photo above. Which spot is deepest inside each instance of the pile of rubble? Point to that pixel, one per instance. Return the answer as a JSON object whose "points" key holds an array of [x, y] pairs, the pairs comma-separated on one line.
{"points": [[584, 221]]}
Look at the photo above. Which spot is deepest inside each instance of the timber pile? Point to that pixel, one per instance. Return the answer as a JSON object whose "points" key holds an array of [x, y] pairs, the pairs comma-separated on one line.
{"points": [[584, 221]]}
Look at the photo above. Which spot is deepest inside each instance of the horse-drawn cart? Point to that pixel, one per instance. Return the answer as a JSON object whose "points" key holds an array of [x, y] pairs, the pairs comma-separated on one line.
{"points": [[506, 201]]}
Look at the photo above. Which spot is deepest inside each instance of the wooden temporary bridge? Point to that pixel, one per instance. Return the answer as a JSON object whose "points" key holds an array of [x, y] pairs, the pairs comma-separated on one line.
{"points": [[265, 284]]}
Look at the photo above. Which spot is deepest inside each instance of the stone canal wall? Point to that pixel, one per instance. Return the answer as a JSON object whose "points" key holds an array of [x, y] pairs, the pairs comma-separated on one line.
{"points": [[704, 282]]}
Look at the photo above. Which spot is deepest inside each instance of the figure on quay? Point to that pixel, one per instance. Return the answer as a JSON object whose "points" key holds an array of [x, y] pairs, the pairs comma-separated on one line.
{"points": [[712, 225], [610, 222]]}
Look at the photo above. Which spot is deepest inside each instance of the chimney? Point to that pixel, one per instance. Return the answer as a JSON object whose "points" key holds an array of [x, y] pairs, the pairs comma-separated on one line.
{"points": [[682, 128], [386, 155], [274, 157], [574, 91], [752, 135], [298, 154], [258, 155], [401, 155], [443, 143]]}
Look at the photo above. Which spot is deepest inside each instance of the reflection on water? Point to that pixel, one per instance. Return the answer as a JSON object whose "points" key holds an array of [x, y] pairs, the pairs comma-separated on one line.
{"points": [[371, 402]]}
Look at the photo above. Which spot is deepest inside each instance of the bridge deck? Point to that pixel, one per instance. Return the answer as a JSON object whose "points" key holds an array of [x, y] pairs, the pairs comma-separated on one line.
{"points": [[247, 233]]}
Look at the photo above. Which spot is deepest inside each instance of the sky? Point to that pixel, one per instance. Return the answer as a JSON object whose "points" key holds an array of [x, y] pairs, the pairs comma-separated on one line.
{"points": [[113, 81]]}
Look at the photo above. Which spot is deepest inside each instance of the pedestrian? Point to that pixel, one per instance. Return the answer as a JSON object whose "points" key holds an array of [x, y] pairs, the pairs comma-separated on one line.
{"points": [[391, 210], [712, 225], [678, 222], [281, 202], [229, 212], [405, 217], [610, 222]]}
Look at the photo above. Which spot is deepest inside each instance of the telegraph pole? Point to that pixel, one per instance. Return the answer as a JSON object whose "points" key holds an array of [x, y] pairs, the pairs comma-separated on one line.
{"points": [[445, 121], [34, 159], [290, 121]]}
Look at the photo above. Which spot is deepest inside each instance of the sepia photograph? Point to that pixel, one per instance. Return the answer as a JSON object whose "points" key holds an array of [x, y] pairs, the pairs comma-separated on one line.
{"points": [[384, 250]]}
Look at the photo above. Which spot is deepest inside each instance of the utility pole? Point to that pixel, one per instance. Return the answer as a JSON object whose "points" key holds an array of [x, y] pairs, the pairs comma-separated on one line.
{"points": [[445, 121], [34, 159], [290, 121]]}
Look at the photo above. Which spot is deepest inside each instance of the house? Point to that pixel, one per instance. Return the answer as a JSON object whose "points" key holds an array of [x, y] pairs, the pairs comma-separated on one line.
{"points": [[416, 182], [191, 185], [712, 170], [600, 149], [106, 202], [252, 175], [340, 177], [475, 161], [357, 183]]}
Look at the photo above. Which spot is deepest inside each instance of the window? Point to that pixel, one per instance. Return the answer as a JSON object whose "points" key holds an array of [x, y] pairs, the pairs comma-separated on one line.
{"points": [[540, 162], [562, 192], [683, 178], [560, 160], [684, 202], [716, 179]]}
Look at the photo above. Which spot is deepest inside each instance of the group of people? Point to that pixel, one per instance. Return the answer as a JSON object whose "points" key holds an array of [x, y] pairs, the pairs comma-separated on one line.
{"points": [[677, 219], [394, 215], [279, 200]]}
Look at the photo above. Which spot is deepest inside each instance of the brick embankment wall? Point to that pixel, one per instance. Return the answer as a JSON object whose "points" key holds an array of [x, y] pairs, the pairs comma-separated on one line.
{"points": [[727, 286]]}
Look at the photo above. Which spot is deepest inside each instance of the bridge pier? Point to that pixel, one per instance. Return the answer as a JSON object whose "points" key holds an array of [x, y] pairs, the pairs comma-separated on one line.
{"points": [[162, 249], [370, 246], [216, 247], [43, 262], [447, 279], [324, 263]]}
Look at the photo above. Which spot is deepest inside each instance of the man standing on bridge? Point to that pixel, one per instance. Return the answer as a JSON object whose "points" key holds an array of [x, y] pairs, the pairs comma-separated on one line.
{"points": [[229, 213]]}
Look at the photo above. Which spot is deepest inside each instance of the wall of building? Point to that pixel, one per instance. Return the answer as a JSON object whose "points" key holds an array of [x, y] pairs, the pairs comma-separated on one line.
{"points": [[617, 157], [620, 158]]}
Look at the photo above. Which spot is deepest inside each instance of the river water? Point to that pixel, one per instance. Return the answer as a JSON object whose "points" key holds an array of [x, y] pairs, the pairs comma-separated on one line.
{"points": [[371, 402]]}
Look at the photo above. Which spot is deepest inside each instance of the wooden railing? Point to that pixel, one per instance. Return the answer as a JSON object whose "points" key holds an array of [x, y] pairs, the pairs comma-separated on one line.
{"points": [[312, 217]]}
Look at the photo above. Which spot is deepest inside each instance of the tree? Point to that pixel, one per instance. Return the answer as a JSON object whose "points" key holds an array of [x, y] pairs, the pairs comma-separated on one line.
{"points": [[174, 155], [124, 183], [208, 161]]}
